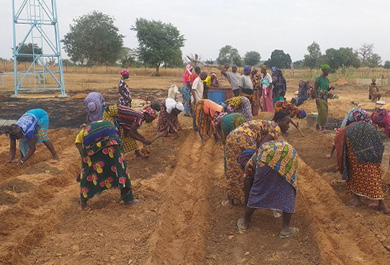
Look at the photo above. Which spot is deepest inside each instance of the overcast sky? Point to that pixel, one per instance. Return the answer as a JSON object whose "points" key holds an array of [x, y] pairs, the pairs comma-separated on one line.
{"points": [[248, 25]]}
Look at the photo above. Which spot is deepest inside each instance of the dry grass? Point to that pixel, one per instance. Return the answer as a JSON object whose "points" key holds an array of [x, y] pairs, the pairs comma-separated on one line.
{"points": [[106, 77]]}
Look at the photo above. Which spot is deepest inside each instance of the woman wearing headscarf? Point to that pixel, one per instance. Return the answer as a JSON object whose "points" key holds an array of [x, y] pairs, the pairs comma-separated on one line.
{"points": [[211, 81], [373, 93], [128, 121], [249, 135], [353, 115], [94, 104], [168, 121], [205, 112], [103, 163], [30, 129], [241, 105], [321, 90], [291, 109], [266, 82], [186, 89], [271, 182], [124, 90], [359, 156], [381, 117], [280, 85]]}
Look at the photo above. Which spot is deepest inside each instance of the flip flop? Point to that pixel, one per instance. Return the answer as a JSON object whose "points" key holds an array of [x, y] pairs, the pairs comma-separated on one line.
{"points": [[239, 225], [294, 231], [133, 202]]}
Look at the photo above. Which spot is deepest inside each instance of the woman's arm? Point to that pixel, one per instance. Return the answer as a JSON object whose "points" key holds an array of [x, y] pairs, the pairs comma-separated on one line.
{"points": [[12, 149], [133, 132], [31, 151]]}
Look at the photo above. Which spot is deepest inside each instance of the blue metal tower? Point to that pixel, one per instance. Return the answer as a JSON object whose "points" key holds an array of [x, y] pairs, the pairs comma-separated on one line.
{"points": [[35, 23]]}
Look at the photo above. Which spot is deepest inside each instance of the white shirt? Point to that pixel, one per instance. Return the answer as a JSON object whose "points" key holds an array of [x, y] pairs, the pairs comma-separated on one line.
{"points": [[197, 87]]}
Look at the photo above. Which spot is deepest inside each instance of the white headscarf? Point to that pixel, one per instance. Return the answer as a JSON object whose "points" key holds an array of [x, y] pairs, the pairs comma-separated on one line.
{"points": [[171, 104]]}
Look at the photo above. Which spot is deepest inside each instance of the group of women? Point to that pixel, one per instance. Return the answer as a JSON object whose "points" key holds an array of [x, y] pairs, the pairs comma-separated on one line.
{"points": [[261, 170]]}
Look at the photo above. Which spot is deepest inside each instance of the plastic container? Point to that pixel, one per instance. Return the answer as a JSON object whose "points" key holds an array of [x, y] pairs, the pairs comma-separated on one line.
{"points": [[311, 119], [217, 96]]}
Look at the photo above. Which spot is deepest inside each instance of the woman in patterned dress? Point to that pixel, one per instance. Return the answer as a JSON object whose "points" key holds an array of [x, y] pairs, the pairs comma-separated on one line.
{"points": [[103, 163], [271, 182], [206, 111], [229, 123], [128, 121], [241, 105], [124, 90], [359, 156], [30, 130], [249, 135], [168, 122]]}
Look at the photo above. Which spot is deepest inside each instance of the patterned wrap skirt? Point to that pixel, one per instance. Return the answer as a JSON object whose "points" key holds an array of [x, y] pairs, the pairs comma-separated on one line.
{"points": [[236, 142], [271, 191], [365, 178], [203, 122], [322, 108], [105, 167]]}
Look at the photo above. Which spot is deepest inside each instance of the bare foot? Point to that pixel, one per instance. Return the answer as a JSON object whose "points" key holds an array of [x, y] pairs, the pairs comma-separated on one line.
{"points": [[328, 156], [355, 202], [83, 205], [139, 154], [130, 203], [381, 208]]}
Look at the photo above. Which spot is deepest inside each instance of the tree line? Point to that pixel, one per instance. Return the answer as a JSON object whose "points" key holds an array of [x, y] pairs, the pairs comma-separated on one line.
{"points": [[93, 39]]}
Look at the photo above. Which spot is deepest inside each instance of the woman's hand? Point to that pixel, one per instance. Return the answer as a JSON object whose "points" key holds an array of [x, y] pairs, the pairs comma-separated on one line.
{"points": [[20, 163], [146, 142], [9, 162]]}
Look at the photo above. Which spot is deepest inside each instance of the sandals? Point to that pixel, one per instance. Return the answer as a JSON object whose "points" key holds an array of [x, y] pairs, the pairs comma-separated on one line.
{"points": [[241, 228], [293, 231]]}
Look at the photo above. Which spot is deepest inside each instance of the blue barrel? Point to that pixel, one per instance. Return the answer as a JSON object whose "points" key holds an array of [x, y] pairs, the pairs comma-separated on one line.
{"points": [[217, 96]]}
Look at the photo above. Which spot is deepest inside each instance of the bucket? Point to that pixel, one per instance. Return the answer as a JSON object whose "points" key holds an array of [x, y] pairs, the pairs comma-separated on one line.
{"points": [[217, 96], [311, 119]]}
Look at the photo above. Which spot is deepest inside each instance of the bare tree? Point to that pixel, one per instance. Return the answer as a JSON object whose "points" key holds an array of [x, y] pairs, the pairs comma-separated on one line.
{"points": [[365, 52]]}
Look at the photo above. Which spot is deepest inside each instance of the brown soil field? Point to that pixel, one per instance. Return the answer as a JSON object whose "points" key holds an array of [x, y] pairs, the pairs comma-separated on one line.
{"points": [[181, 219]]}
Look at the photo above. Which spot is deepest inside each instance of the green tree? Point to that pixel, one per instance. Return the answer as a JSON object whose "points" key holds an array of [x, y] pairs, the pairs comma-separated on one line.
{"points": [[127, 56], [313, 59], [279, 59], [158, 43], [229, 55], [374, 61], [352, 57], [387, 65], [334, 58], [252, 58], [341, 57], [27, 49], [93, 38]]}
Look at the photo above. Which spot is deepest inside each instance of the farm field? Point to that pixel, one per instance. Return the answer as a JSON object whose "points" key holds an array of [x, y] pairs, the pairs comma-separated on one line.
{"points": [[181, 219]]}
